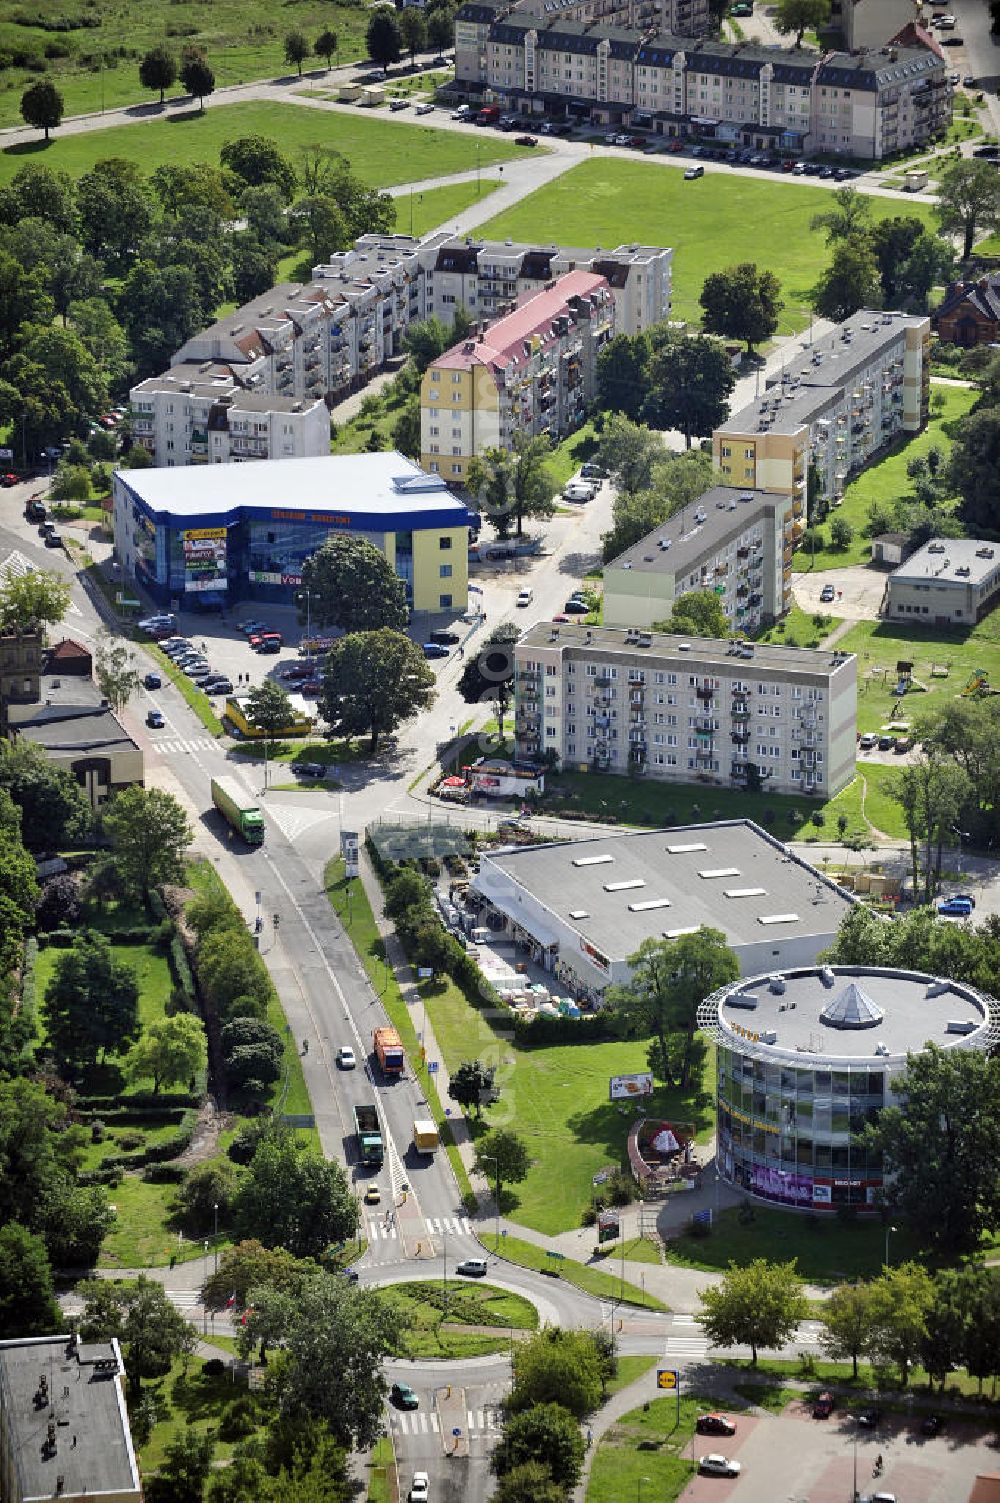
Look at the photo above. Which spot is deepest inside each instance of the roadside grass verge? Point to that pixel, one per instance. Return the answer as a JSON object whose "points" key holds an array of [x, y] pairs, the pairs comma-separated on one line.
{"points": [[630, 1370], [590, 1280], [141, 1235], [430, 1310], [198, 701], [381, 1471], [815, 1371]]}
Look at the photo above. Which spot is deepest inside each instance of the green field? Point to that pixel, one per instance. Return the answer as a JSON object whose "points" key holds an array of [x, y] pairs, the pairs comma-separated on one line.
{"points": [[827, 1249], [642, 1455], [242, 43], [886, 481], [591, 1280], [721, 218], [151, 969], [381, 152]]}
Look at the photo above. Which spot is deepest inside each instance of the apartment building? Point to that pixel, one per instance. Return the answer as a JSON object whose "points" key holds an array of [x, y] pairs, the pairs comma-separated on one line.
{"points": [[201, 415], [840, 402], [487, 276], [947, 582], [533, 371], [715, 712], [737, 543], [741, 94]]}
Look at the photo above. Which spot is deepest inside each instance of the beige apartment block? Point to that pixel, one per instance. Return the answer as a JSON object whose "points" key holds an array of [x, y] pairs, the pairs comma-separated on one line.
{"points": [[737, 543], [721, 713], [836, 406]]}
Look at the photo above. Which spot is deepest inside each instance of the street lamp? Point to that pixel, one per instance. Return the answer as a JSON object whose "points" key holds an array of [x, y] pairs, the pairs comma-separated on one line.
{"points": [[215, 1208], [307, 592], [887, 1232]]}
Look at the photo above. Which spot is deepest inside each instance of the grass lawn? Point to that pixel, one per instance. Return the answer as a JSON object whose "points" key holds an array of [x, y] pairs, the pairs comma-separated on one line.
{"points": [[359, 924], [606, 203], [800, 628], [381, 152], [630, 1370], [429, 1312], [591, 1280], [881, 644], [141, 1237], [827, 1249], [196, 698], [184, 1398], [887, 481], [557, 1098], [769, 1396], [329, 752], [637, 1250], [152, 973], [642, 1455], [812, 1370]]}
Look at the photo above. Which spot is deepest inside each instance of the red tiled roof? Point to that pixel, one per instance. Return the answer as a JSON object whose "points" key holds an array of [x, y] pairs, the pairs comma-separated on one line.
{"points": [[67, 650], [915, 35], [504, 341]]}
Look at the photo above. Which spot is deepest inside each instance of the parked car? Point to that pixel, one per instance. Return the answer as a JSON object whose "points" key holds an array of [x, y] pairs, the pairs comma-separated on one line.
{"points": [[886, 743], [578, 490], [403, 1397], [576, 607], [827, 593], [593, 471], [198, 672], [53, 540], [154, 719], [309, 769], [217, 685], [524, 597], [434, 650], [715, 1424], [250, 626], [472, 1268], [464, 112], [345, 1058], [525, 140], [8, 480], [152, 681], [966, 897], [424, 109], [448, 638], [954, 908], [823, 1406], [868, 1418], [693, 172], [903, 744], [719, 1466], [399, 104], [868, 741]]}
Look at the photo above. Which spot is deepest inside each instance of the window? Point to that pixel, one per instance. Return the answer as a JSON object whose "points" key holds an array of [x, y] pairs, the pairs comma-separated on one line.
{"points": [[444, 544], [444, 571], [444, 601]]}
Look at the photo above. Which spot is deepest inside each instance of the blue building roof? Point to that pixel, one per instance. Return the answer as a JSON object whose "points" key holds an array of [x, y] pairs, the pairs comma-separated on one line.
{"points": [[384, 492]]}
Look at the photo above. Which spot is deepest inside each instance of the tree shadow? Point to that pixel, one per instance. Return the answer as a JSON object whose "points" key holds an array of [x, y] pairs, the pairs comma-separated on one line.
{"points": [[28, 148], [198, 1395], [578, 563]]}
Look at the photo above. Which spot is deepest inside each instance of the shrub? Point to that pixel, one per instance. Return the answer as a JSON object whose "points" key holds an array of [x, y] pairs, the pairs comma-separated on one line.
{"points": [[164, 1174], [214, 1367], [58, 905], [244, 1145], [239, 1419], [206, 1187], [130, 1140]]}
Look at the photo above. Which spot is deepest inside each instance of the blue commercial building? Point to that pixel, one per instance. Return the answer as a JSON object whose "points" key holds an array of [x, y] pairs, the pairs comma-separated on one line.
{"points": [[212, 535]]}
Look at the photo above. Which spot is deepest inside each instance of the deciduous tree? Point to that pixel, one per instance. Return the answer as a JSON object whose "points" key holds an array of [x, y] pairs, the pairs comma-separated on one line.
{"points": [[942, 1149], [171, 1051], [968, 201], [622, 367], [900, 1302], [676, 481], [197, 76], [326, 45], [383, 36], [846, 1317], [471, 1084], [256, 160], [488, 676], [352, 586], [294, 1199], [158, 70], [850, 282], [697, 613], [848, 216], [373, 682], [514, 483], [412, 30], [975, 469], [742, 302], [269, 709], [27, 1299], [800, 16], [758, 1305], [669, 979], [42, 106], [557, 1367], [296, 48], [149, 835], [689, 382], [91, 1002], [545, 1434], [116, 670], [54, 808], [185, 1468], [141, 1315], [503, 1157], [932, 791]]}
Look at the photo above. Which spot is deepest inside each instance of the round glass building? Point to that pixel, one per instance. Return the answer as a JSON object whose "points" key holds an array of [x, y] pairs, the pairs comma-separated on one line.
{"points": [[805, 1058]]}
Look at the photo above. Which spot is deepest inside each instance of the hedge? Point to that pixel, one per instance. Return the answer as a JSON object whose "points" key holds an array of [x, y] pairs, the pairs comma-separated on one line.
{"points": [[62, 939], [29, 995], [181, 971], [164, 1174], [126, 1114], [111, 1176]]}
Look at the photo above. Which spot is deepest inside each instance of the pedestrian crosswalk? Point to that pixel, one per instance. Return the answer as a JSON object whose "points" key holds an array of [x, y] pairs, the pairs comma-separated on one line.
{"points": [[185, 1299], [378, 1231], [426, 1422], [172, 746], [687, 1342], [456, 1226]]}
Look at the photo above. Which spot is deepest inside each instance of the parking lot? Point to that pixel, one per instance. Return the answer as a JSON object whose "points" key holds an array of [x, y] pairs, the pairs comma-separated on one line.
{"points": [[791, 1458]]}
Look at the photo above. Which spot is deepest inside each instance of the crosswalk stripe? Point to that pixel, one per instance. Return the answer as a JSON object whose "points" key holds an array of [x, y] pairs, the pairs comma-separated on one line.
{"points": [[435, 1424], [174, 744], [456, 1225], [377, 1230]]}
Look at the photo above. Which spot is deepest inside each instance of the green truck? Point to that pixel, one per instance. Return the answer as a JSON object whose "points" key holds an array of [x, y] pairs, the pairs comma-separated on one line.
{"points": [[239, 809], [371, 1149]]}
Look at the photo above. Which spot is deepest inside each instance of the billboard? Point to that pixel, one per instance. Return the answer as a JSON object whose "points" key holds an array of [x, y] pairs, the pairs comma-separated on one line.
{"points": [[623, 1087], [204, 550], [608, 1227]]}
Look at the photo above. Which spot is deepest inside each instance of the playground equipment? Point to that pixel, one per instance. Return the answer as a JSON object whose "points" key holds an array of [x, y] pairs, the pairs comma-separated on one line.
{"points": [[904, 670], [940, 670], [979, 682]]}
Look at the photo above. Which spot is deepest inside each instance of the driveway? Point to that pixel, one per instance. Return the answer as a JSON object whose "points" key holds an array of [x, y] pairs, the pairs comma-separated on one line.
{"points": [[859, 591]]}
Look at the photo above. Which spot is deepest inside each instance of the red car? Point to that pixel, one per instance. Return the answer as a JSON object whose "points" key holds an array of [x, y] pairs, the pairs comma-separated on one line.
{"points": [[525, 141], [715, 1424], [8, 480]]}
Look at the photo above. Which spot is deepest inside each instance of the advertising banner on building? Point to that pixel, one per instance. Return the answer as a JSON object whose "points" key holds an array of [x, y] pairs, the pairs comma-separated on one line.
{"points": [[776, 1184], [204, 551], [623, 1087]]}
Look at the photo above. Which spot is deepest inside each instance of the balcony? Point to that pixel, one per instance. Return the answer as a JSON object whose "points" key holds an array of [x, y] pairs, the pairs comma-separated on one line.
{"points": [[705, 692], [740, 738]]}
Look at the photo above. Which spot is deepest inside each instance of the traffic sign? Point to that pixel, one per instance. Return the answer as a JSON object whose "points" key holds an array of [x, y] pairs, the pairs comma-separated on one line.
{"points": [[666, 1377], [456, 1432], [559, 1256], [432, 1066]]}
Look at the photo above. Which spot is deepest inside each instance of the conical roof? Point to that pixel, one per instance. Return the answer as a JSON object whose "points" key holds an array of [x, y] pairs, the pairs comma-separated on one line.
{"points": [[853, 1008]]}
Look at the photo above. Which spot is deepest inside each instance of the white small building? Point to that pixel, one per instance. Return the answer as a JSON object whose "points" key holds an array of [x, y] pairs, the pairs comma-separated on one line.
{"points": [[947, 582]]}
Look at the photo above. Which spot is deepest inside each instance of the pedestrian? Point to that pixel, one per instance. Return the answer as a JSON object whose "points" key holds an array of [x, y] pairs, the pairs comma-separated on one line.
{"points": [[461, 653], [590, 1439]]}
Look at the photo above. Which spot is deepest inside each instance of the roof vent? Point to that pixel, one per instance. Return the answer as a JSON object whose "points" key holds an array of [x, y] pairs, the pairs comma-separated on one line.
{"points": [[960, 1025], [777, 985], [881, 1049], [938, 988], [748, 1000], [827, 975]]}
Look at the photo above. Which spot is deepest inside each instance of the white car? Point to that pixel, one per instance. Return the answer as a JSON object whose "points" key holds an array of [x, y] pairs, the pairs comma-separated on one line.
{"points": [[424, 109], [718, 1466], [525, 597], [419, 1488], [579, 490], [345, 1057]]}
